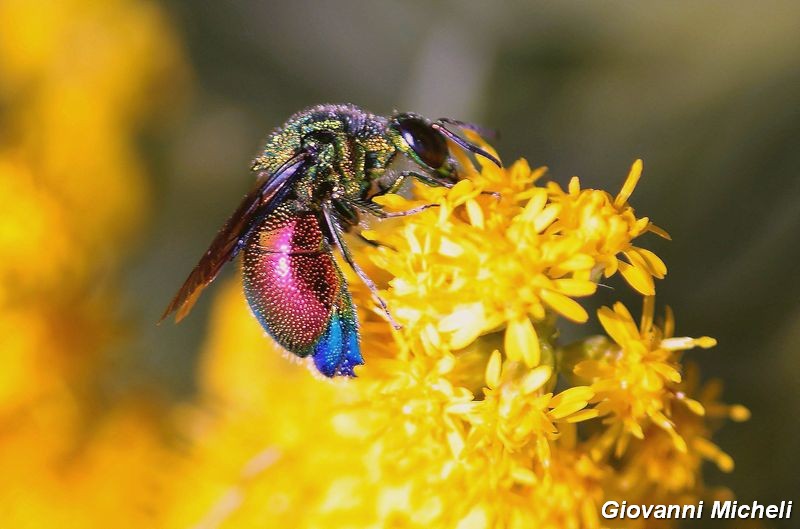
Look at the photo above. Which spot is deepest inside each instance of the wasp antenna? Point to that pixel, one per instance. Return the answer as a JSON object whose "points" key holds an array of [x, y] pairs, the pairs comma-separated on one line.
{"points": [[464, 144], [483, 131]]}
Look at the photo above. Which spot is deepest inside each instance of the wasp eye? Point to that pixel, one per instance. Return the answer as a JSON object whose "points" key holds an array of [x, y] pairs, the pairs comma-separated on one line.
{"points": [[426, 143]]}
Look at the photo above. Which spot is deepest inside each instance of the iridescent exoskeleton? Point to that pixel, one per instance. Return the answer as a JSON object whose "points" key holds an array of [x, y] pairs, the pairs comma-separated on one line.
{"points": [[314, 178]]}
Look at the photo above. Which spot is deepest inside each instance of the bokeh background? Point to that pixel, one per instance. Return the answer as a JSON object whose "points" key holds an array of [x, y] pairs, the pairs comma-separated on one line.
{"points": [[127, 127]]}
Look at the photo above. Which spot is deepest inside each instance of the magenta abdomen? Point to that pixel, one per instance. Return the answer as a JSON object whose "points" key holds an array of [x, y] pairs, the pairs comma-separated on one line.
{"points": [[291, 279]]}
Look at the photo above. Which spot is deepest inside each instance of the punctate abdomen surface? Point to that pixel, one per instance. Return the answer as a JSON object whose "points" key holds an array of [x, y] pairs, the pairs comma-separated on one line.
{"points": [[298, 293]]}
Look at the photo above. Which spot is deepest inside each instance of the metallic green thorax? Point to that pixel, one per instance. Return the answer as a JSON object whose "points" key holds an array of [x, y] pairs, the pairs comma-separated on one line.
{"points": [[353, 149]]}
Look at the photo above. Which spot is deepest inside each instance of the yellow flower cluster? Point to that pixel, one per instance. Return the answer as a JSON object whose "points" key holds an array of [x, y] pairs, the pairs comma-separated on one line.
{"points": [[474, 415], [77, 84], [510, 262]]}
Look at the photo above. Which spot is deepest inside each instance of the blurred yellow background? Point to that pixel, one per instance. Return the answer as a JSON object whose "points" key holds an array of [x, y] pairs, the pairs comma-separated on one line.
{"points": [[126, 132]]}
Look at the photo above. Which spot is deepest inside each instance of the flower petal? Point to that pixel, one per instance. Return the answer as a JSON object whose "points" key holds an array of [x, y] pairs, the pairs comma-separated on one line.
{"points": [[574, 394], [566, 306], [616, 326], [630, 184], [475, 214], [681, 343], [575, 287], [493, 370], [659, 231], [637, 278], [545, 217], [583, 415], [522, 343], [392, 201], [654, 262], [535, 379], [465, 324], [565, 409]]}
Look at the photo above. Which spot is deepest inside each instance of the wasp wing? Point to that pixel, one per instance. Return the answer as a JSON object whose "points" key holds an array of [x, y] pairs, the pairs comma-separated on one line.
{"points": [[257, 204]]}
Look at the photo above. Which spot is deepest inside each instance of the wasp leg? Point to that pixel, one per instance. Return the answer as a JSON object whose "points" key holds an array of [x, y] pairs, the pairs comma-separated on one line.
{"points": [[377, 211], [402, 177], [412, 211], [433, 182], [347, 215], [426, 179], [336, 233], [375, 244]]}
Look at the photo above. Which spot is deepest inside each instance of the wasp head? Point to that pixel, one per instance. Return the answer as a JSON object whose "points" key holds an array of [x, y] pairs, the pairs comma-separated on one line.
{"points": [[425, 142]]}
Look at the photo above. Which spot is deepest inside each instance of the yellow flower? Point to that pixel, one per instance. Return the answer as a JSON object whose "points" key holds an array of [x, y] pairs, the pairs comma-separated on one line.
{"points": [[606, 226], [668, 473], [517, 413], [636, 377], [479, 262]]}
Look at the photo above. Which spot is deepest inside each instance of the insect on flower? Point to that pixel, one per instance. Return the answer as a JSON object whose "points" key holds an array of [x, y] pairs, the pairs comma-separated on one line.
{"points": [[314, 178]]}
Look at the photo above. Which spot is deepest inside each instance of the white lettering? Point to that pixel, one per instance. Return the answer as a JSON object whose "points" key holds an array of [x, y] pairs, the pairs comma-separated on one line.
{"points": [[721, 509], [613, 512]]}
